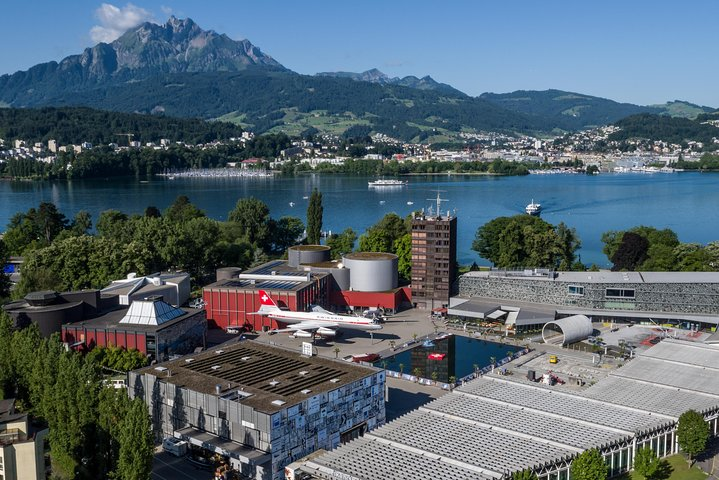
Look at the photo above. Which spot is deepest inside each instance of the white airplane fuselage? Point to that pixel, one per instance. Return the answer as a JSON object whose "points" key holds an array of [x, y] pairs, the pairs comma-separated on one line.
{"points": [[336, 321]]}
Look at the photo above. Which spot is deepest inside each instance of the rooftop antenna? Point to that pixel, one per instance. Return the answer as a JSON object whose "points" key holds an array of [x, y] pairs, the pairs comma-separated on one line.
{"points": [[439, 203]]}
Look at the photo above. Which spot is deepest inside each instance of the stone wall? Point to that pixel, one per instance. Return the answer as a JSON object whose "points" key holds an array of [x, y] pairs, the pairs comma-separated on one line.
{"points": [[702, 298]]}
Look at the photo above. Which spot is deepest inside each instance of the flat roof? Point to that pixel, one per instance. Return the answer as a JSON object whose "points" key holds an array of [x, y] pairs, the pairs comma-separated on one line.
{"points": [[267, 373], [275, 267], [111, 321], [495, 425], [605, 276]]}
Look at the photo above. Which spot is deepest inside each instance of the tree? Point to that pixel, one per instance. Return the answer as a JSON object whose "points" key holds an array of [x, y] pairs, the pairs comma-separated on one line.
{"points": [[403, 249], [632, 251], [341, 243], [136, 445], [182, 210], [252, 217], [692, 433], [314, 218], [82, 223], [646, 463], [589, 465], [381, 236], [152, 211], [50, 221], [285, 233], [525, 240], [4, 278], [527, 474], [111, 223]]}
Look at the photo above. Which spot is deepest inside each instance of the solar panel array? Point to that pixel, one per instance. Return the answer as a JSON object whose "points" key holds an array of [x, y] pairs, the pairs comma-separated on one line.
{"points": [[265, 284], [373, 460], [651, 398], [686, 377], [259, 368], [469, 443], [518, 419], [567, 405], [694, 354]]}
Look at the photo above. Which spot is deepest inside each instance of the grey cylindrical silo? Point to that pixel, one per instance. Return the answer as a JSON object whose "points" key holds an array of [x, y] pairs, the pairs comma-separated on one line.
{"points": [[371, 271], [302, 254], [227, 273]]}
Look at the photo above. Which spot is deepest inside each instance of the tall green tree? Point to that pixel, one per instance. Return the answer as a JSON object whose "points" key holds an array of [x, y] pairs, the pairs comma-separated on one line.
{"points": [[182, 210], [403, 250], [526, 241], [589, 465], [136, 445], [646, 463], [381, 236], [285, 233], [342, 243], [631, 253], [692, 433], [82, 223], [252, 218], [314, 218]]}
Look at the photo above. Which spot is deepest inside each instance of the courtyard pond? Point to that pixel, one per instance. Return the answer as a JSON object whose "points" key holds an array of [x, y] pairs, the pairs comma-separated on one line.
{"points": [[448, 356]]}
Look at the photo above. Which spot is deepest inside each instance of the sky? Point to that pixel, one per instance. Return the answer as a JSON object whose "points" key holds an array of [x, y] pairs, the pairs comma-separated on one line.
{"points": [[636, 51]]}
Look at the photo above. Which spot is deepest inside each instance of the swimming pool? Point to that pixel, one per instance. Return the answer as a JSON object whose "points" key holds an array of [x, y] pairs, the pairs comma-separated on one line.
{"points": [[453, 356]]}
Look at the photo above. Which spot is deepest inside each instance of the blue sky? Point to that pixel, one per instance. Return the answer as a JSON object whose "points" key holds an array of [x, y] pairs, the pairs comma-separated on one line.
{"points": [[633, 51]]}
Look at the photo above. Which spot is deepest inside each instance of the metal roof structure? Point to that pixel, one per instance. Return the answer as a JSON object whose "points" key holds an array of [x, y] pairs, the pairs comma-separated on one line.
{"points": [[151, 312], [493, 426], [571, 329], [264, 374], [606, 276]]}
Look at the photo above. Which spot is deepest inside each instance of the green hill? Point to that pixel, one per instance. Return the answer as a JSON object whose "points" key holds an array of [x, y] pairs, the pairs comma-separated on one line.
{"points": [[668, 129], [73, 125], [567, 110]]}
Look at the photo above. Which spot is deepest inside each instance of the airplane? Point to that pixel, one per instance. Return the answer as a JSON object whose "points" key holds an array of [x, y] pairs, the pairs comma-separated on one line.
{"points": [[317, 322]]}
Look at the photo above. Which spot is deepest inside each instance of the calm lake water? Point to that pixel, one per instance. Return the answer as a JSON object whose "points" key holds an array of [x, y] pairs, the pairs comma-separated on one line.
{"points": [[688, 203]]}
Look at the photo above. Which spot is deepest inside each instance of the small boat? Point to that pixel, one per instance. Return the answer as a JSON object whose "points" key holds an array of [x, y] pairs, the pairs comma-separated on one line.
{"points": [[436, 356], [533, 209], [365, 357], [292, 204], [305, 197], [381, 202], [387, 183], [410, 203], [171, 177]]}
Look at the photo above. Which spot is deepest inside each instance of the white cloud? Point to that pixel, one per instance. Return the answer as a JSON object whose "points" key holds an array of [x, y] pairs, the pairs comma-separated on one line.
{"points": [[166, 10], [115, 21]]}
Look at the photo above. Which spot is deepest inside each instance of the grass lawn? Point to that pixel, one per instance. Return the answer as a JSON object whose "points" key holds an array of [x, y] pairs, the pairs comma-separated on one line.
{"points": [[678, 470]]}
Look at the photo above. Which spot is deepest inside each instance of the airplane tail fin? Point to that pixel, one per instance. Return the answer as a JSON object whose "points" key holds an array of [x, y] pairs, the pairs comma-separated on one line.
{"points": [[267, 305]]}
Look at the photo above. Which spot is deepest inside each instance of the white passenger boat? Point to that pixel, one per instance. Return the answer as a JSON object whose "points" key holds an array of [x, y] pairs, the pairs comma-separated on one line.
{"points": [[533, 208]]}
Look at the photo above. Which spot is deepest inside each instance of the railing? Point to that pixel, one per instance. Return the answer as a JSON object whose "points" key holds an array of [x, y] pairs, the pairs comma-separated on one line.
{"points": [[12, 435]]}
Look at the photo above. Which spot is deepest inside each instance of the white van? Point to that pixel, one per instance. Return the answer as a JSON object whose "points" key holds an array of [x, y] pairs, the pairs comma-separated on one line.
{"points": [[175, 446]]}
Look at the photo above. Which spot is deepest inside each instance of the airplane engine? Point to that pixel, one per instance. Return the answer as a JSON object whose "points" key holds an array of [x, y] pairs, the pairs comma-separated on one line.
{"points": [[326, 332], [302, 334]]}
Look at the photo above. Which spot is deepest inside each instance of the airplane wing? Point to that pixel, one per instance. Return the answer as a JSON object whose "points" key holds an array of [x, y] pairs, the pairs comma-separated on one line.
{"points": [[305, 327]]}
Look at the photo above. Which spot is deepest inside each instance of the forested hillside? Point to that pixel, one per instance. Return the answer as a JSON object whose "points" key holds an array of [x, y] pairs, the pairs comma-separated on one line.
{"points": [[668, 129], [74, 125]]}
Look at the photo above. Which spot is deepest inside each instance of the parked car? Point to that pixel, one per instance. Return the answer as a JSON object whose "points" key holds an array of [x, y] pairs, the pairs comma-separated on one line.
{"points": [[197, 303]]}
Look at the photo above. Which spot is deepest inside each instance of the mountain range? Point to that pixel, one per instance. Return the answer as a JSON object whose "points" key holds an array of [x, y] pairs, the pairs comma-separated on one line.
{"points": [[179, 69]]}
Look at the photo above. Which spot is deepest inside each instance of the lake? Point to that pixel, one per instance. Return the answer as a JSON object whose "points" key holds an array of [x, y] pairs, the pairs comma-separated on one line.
{"points": [[687, 202]]}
